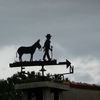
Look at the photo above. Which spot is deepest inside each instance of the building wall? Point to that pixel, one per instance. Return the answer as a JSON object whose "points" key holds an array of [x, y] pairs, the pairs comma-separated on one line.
{"points": [[81, 94]]}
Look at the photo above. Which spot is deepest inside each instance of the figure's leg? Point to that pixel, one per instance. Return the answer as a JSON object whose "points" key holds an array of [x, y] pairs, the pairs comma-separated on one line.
{"points": [[44, 56], [48, 56]]}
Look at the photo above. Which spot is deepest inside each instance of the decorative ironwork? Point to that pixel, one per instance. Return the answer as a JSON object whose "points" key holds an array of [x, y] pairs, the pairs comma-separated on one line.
{"points": [[42, 63], [28, 50], [49, 61]]}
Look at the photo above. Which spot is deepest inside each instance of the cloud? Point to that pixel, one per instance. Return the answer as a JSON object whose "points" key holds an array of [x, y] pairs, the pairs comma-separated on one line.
{"points": [[86, 69], [7, 55]]}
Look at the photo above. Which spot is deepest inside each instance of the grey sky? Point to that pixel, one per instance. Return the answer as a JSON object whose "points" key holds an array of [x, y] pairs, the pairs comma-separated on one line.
{"points": [[74, 25]]}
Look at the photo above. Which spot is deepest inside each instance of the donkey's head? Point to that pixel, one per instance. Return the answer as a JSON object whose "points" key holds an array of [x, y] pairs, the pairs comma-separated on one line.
{"points": [[38, 44]]}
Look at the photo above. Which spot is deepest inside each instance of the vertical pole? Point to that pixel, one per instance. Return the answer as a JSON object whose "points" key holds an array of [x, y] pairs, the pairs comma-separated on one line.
{"points": [[42, 70], [46, 93], [56, 95], [60, 95], [25, 95], [22, 69], [51, 52]]}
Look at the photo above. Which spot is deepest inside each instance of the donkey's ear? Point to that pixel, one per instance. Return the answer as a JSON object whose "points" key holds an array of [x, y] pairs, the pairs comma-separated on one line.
{"points": [[38, 40]]}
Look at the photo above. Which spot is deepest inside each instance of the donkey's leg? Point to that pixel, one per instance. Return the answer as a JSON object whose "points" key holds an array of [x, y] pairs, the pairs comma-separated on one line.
{"points": [[31, 59], [20, 57]]}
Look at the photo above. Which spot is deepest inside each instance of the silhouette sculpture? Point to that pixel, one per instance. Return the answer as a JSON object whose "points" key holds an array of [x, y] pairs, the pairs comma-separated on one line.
{"points": [[47, 47], [47, 59], [28, 50]]}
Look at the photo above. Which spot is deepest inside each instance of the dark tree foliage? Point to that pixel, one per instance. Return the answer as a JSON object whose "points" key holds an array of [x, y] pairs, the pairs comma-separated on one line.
{"points": [[7, 87], [7, 90]]}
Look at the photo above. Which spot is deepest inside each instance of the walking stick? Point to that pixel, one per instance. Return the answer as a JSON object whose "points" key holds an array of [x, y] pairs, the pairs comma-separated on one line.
{"points": [[51, 52]]}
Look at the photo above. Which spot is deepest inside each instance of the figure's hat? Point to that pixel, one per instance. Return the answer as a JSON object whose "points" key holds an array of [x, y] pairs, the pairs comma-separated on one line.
{"points": [[48, 35]]}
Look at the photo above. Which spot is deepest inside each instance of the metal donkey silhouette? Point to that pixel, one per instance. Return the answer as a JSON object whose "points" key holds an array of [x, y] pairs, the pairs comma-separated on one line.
{"points": [[28, 50]]}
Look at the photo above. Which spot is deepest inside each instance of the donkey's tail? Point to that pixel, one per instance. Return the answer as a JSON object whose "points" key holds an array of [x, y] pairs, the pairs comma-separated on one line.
{"points": [[16, 54]]}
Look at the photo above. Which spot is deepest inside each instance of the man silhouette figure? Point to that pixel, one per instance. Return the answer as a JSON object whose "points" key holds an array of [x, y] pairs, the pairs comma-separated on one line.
{"points": [[47, 47]]}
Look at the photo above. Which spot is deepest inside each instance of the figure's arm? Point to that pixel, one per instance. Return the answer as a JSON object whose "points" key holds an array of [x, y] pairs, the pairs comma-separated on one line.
{"points": [[51, 48]]}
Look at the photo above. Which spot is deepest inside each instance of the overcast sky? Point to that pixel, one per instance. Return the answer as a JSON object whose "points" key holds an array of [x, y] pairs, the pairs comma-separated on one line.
{"points": [[73, 24]]}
